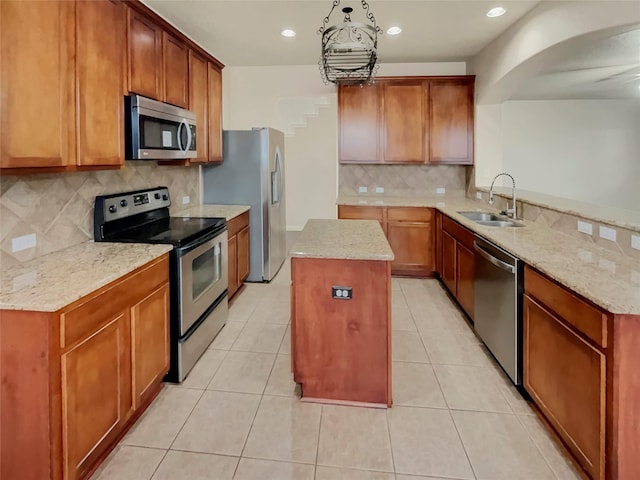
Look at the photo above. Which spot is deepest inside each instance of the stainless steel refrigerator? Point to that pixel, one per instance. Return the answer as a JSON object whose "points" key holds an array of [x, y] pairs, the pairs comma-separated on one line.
{"points": [[252, 173]]}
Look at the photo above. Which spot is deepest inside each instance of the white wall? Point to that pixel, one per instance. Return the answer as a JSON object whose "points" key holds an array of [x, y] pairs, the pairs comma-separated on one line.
{"points": [[586, 150], [294, 99]]}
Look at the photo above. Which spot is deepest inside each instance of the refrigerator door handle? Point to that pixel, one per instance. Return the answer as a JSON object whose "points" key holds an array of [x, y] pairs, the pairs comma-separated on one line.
{"points": [[276, 183]]}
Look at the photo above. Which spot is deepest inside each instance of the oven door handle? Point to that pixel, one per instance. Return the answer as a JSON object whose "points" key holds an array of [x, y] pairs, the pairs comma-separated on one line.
{"points": [[181, 251], [495, 261]]}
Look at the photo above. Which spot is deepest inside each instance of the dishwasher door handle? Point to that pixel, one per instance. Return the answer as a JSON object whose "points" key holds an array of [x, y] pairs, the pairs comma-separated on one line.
{"points": [[496, 261]]}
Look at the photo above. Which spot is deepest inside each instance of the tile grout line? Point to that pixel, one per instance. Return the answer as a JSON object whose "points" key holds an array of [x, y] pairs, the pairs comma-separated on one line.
{"points": [[187, 419], [315, 471]]}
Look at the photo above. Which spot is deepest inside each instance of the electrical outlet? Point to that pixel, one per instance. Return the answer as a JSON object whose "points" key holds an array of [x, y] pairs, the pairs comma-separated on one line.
{"points": [[440, 190], [585, 227], [379, 189], [362, 189], [607, 233], [635, 242], [23, 243], [341, 293], [479, 195], [186, 199]]}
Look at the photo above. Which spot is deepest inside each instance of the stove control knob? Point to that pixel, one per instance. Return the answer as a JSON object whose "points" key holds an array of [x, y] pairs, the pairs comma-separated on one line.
{"points": [[157, 196], [123, 203], [165, 197], [112, 208]]}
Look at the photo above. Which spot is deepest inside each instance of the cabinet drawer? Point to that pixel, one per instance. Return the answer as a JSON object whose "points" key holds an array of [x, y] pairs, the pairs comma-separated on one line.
{"points": [[457, 231], [94, 310], [409, 214], [586, 318], [351, 212], [237, 223]]}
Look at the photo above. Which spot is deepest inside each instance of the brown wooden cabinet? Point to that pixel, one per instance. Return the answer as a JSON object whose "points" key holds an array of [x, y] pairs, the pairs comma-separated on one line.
{"points": [[457, 262], [199, 103], [214, 81], [403, 121], [145, 69], [408, 120], [238, 254], [359, 124], [175, 64], [409, 231], [79, 377]]}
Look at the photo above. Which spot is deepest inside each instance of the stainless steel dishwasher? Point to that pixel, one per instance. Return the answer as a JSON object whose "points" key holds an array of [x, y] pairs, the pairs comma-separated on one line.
{"points": [[498, 305]]}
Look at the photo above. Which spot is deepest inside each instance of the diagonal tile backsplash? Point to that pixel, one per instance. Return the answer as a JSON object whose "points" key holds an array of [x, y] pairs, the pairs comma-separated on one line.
{"points": [[58, 208]]}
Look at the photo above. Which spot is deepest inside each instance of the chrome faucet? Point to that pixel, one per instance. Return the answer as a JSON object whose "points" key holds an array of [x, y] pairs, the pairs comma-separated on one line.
{"points": [[512, 212]]}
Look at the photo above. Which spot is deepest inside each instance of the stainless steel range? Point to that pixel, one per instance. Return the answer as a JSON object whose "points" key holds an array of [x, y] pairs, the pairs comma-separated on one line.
{"points": [[198, 265]]}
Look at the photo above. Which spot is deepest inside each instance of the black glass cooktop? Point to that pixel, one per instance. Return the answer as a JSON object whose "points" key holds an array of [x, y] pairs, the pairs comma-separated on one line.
{"points": [[177, 231]]}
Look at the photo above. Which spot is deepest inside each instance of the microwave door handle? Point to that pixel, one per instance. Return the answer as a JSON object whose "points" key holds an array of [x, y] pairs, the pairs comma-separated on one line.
{"points": [[179, 135], [189, 135]]}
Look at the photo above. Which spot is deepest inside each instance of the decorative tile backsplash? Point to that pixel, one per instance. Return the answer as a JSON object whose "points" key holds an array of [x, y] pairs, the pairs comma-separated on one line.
{"points": [[401, 180], [58, 208]]}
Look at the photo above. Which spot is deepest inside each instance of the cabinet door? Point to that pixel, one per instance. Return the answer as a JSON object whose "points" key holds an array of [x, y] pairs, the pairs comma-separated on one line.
{"points": [[37, 114], [465, 273], [449, 262], [150, 342], [438, 243], [403, 119], [100, 52], [214, 78], [176, 71], [199, 103], [412, 245], [243, 254], [565, 375], [358, 118], [96, 394], [451, 121], [233, 265], [145, 56]]}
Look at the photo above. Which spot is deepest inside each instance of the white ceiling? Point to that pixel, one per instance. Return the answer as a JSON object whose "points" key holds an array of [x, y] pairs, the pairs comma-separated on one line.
{"points": [[247, 33]]}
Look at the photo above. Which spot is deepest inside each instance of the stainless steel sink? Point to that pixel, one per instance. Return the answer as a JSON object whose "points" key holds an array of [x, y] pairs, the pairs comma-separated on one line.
{"points": [[490, 219]]}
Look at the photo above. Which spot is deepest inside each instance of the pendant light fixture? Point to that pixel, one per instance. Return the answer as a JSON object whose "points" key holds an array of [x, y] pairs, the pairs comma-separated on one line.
{"points": [[349, 49]]}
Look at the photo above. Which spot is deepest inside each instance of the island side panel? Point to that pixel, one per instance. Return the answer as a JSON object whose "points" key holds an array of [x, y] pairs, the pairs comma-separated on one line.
{"points": [[341, 348]]}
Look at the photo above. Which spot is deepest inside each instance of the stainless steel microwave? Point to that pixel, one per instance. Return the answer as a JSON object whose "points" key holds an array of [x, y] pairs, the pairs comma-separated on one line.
{"points": [[158, 131]]}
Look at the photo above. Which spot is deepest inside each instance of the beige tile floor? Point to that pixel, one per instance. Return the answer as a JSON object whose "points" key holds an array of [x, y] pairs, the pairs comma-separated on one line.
{"points": [[455, 415]]}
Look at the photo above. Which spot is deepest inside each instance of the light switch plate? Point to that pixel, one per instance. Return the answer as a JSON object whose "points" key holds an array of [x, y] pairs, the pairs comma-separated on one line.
{"points": [[23, 243], [585, 227], [440, 190], [186, 199], [379, 189], [607, 233], [635, 242], [479, 195], [362, 189]]}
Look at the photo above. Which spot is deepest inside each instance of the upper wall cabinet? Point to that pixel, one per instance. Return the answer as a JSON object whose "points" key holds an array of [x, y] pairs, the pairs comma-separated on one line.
{"points": [[199, 104], [145, 56], [62, 85], [176, 71], [408, 120], [214, 80]]}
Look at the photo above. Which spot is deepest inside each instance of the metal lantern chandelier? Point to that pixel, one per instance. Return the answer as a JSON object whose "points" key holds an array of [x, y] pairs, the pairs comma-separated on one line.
{"points": [[350, 49]]}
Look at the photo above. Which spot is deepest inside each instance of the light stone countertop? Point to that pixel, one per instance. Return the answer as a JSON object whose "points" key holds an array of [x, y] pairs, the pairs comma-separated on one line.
{"points": [[53, 281], [342, 239], [607, 278], [227, 211]]}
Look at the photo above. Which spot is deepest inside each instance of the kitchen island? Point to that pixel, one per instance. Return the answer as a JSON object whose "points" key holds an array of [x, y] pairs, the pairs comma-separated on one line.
{"points": [[341, 312]]}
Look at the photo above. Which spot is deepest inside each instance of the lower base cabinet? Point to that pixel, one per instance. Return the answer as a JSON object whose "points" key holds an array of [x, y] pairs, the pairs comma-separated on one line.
{"points": [[81, 376], [409, 231], [238, 232]]}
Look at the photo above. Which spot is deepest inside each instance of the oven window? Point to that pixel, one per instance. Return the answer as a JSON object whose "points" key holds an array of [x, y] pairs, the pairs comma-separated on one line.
{"points": [[206, 270]]}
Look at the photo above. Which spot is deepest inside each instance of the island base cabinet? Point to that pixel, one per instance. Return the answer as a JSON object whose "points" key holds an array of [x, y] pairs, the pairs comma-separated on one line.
{"points": [[566, 376], [341, 349]]}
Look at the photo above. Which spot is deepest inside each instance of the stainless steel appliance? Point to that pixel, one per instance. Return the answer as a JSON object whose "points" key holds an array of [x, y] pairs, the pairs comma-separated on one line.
{"points": [[253, 174], [198, 265], [498, 305], [156, 130]]}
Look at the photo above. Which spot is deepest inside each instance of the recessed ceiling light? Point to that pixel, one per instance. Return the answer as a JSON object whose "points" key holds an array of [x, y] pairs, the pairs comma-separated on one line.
{"points": [[496, 12], [287, 32], [394, 30]]}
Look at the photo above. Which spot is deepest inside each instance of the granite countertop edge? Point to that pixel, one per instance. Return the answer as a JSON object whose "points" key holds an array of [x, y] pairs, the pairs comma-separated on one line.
{"points": [[229, 212], [547, 250]]}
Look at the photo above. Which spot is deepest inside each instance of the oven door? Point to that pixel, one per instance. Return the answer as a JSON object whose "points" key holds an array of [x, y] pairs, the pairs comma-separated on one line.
{"points": [[202, 277]]}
